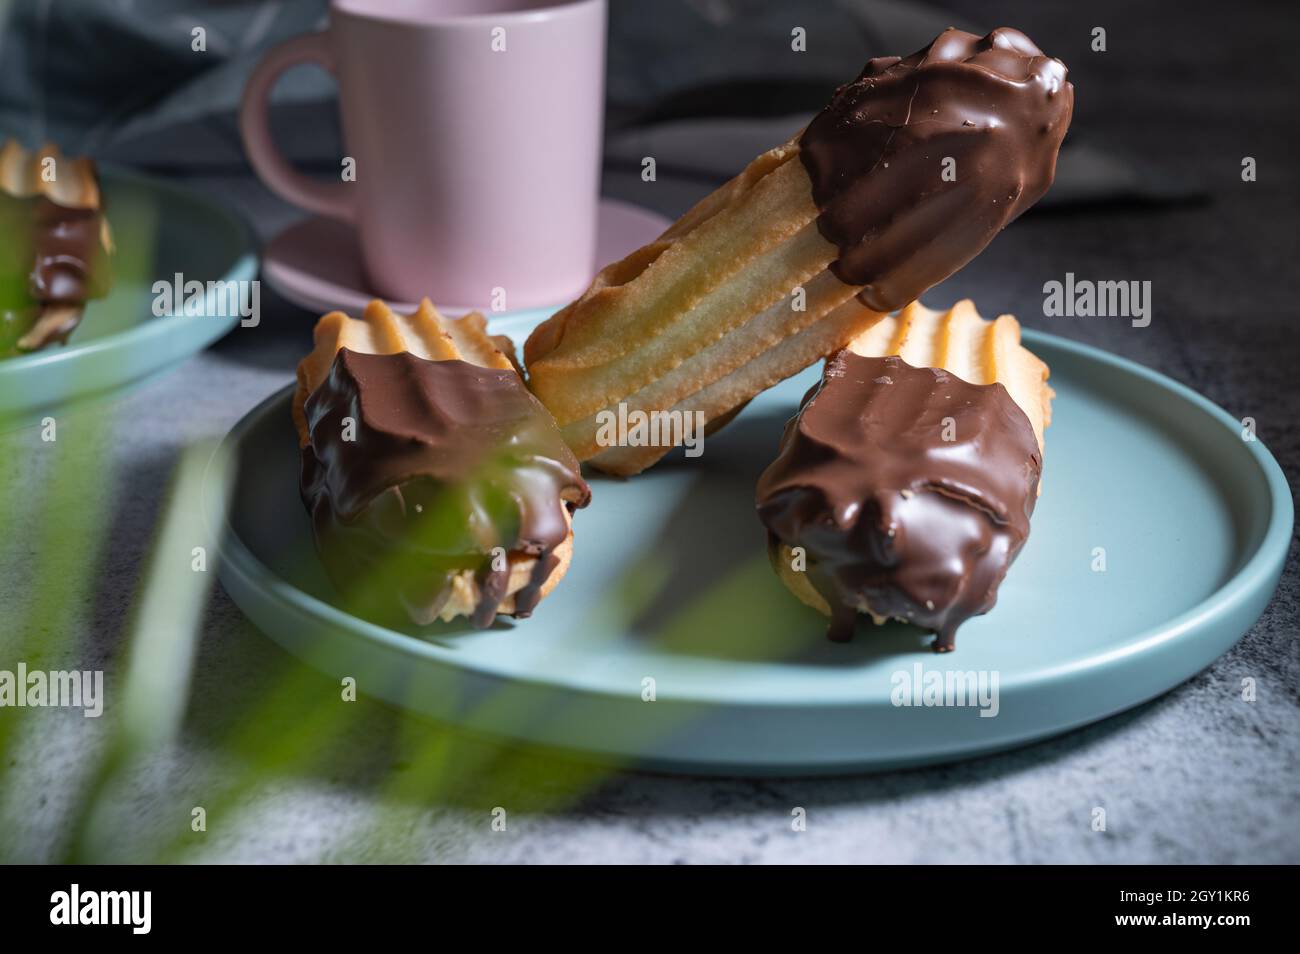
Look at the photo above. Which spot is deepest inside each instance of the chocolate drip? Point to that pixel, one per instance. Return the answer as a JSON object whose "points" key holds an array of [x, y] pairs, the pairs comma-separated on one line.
{"points": [[909, 489], [903, 218], [527, 598], [52, 255], [443, 462]]}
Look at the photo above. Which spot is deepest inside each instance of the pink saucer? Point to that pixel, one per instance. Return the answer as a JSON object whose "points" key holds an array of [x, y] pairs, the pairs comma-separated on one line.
{"points": [[316, 264]]}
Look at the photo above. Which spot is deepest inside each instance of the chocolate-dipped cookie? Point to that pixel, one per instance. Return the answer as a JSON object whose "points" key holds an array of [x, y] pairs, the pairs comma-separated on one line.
{"points": [[905, 176], [903, 492], [55, 253], [437, 488]]}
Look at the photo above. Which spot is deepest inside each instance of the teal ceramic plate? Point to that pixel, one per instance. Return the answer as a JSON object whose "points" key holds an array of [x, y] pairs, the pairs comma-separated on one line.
{"points": [[159, 230], [670, 596]]}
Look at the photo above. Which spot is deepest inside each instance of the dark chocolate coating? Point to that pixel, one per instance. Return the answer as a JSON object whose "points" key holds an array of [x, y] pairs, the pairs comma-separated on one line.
{"points": [[51, 254], [69, 261], [889, 512], [447, 461], [995, 105]]}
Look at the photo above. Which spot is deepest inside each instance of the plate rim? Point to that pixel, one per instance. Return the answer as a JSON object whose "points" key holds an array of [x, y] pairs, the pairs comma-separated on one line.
{"points": [[1267, 556]]}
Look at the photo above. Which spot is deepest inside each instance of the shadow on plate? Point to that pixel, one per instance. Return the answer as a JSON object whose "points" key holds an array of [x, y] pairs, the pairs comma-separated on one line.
{"points": [[718, 596]]}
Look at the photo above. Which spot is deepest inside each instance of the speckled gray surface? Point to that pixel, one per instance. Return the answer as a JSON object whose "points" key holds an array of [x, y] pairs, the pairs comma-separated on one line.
{"points": [[1195, 776]]}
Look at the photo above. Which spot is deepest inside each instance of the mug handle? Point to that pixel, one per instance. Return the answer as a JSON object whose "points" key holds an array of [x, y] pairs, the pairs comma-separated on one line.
{"points": [[268, 162]]}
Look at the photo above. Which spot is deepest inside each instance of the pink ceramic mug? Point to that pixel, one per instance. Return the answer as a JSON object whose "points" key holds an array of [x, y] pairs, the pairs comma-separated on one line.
{"points": [[475, 129]]}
